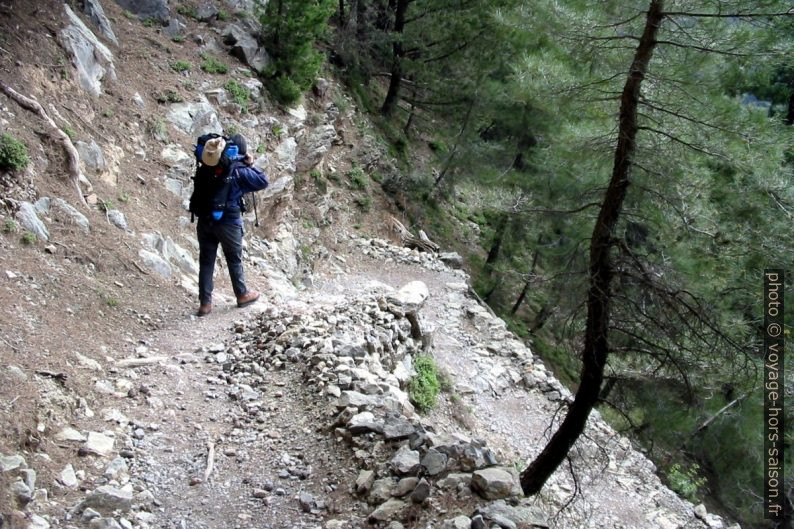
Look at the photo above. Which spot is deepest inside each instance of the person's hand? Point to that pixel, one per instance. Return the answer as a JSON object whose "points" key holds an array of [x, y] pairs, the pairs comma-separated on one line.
{"points": [[248, 160]]}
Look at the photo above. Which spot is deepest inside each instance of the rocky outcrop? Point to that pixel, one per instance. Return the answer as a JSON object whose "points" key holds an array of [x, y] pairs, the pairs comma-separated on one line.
{"points": [[29, 220], [147, 9], [194, 119], [96, 14], [245, 47], [93, 60]]}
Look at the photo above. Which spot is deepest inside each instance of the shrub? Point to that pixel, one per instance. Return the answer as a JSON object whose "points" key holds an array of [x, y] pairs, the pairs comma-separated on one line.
{"points": [[149, 22], [424, 386], [364, 203], [169, 97], [111, 302], [29, 238], [223, 16], [239, 93], [686, 482], [284, 90], [13, 153], [187, 11], [127, 14], [178, 38], [357, 177], [69, 131], [260, 149], [231, 130], [10, 226], [213, 65], [180, 66]]}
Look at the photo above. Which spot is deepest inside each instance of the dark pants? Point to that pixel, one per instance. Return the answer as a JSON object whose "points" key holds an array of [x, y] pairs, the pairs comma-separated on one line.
{"points": [[230, 237]]}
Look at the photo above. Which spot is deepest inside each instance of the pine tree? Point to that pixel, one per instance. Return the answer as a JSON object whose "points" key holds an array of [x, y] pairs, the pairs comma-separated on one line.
{"points": [[290, 29]]}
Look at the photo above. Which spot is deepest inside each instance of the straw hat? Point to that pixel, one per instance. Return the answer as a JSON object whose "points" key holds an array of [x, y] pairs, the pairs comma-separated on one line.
{"points": [[213, 149]]}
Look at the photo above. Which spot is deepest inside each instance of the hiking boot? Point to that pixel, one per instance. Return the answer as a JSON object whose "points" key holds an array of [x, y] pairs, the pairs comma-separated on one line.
{"points": [[247, 298], [204, 309]]}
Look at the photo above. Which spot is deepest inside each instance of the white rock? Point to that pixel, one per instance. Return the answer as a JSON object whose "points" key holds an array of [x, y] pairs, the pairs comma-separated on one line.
{"points": [[70, 434], [99, 444], [93, 60], [68, 478]]}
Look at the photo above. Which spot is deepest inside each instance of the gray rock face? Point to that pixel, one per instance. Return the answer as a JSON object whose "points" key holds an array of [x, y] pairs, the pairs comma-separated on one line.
{"points": [[520, 516], [451, 259], [421, 492], [392, 509], [107, 498], [96, 14], [458, 522], [12, 462], [68, 478], [405, 461], [316, 146], [434, 462], [91, 156], [155, 262], [93, 60], [409, 299], [206, 12], [364, 422], [70, 212], [245, 47], [396, 429], [194, 119], [157, 9], [364, 481], [117, 218], [494, 483], [30, 221], [99, 444]]}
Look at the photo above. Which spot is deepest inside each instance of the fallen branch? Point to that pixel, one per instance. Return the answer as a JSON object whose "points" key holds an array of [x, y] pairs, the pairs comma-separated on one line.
{"points": [[210, 460], [72, 156], [408, 240]]}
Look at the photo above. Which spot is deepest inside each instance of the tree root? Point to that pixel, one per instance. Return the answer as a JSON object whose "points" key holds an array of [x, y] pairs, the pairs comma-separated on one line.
{"points": [[30, 103]]}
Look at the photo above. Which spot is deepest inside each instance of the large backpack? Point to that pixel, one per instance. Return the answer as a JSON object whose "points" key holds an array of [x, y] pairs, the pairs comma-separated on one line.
{"points": [[211, 184]]}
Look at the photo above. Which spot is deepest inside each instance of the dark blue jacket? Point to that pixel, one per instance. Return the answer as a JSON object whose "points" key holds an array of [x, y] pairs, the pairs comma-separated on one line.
{"points": [[245, 179]]}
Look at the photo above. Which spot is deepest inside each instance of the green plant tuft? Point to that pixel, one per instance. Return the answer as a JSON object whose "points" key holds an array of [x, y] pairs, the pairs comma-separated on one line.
{"points": [[424, 387], [178, 38], [29, 238], [169, 96], [69, 131], [180, 66], [223, 15], [686, 482], [13, 153], [187, 11], [213, 65], [357, 177], [10, 226], [239, 93]]}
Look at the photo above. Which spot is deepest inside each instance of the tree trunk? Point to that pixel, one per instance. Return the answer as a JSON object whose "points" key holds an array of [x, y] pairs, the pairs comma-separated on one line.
{"points": [[596, 346], [342, 13], [454, 151], [277, 32], [790, 114], [398, 51], [530, 276]]}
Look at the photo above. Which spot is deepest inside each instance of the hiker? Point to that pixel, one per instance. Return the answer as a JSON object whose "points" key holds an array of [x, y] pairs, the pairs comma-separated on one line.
{"points": [[225, 173]]}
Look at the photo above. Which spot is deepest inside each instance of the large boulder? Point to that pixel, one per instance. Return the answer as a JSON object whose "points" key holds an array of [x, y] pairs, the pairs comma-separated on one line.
{"points": [[318, 144], [194, 119], [146, 9], [155, 263], [29, 220], [91, 156], [522, 516], [494, 483], [409, 299], [93, 60], [245, 47], [96, 14]]}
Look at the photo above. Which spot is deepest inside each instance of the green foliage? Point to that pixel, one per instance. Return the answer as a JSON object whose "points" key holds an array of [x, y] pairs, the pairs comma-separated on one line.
{"points": [[364, 203], [127, 14], [240, 94], [124, 198], [438, 146], [111, 301], [686, 482], [213, 65], [223, 15], [69, 131], [10, 225], [260, 149], [157, 127], [13, 153], [105, 205], [319, 181], [231, 130], [423, 388], [150, 22], [178, 38], [358, 180], [187, 11], [109, 113], [170, 96], [180, 66], [29, 238], [290, 29], [277, 130]]}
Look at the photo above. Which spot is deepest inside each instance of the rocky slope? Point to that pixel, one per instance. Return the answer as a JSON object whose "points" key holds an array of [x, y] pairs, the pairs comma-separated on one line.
{"points": [[120, 409]]}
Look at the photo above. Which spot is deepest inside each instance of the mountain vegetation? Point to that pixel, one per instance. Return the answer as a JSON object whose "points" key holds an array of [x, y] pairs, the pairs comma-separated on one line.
{"points": [[618, 176]]}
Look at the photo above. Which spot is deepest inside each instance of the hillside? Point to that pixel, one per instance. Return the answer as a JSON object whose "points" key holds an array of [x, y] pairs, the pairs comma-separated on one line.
{"points": [[121, 409]]}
